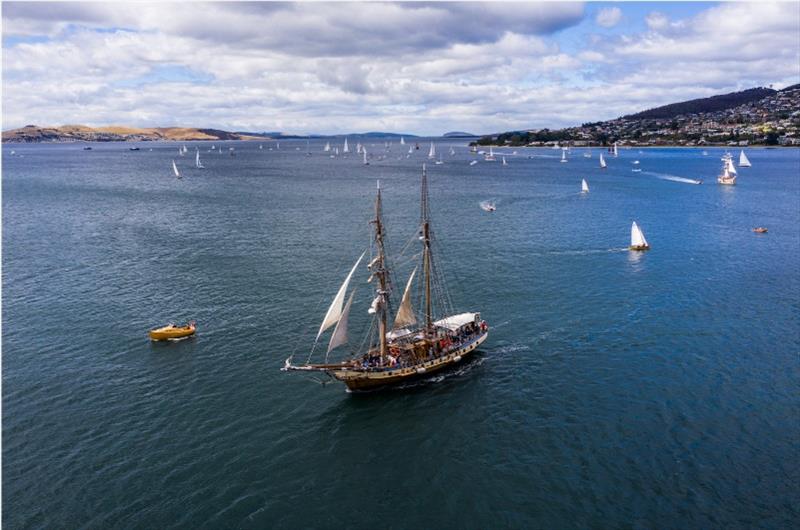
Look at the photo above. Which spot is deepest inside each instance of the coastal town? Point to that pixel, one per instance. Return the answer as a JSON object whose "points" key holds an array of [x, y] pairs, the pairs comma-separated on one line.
{"points": [[771, 120]]}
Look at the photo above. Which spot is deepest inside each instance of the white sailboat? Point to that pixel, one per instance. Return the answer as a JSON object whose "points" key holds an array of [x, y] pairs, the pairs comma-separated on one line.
{"points": [[563, 156], [432, 152], [504, 161], [327, 147], [638, 242], [345, 149], [197, 163], [410, 149], [602, 161], [366, 163], [490, 156], [473, 162], [452, 152], [614, 152], [402, 141], [260, 146], [584, 186], [440, 161], [743, 160], [175, 169]]}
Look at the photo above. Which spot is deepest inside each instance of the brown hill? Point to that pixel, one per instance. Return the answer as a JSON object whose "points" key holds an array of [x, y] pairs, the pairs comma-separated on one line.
{"points": [[116, 133]]}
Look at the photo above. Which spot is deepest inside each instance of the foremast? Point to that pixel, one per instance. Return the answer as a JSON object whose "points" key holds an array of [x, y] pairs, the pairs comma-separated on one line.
{"points": [[379, 268], [426, 250]]}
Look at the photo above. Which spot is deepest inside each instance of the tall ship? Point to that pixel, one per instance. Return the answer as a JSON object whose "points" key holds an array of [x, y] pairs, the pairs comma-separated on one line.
{"points": [[728, 175], [402, 343]]}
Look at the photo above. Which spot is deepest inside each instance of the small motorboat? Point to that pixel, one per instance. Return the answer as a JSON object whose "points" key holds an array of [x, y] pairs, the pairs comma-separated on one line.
{"points": [[134, 149], [760, 230], [171, 331]]}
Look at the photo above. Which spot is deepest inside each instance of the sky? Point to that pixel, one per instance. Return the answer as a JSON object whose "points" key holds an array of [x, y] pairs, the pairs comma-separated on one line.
{"points": [[407, 67]]}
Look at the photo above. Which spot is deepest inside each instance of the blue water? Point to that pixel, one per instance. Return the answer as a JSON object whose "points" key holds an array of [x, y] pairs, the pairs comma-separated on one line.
{"points": [[616, 390]]}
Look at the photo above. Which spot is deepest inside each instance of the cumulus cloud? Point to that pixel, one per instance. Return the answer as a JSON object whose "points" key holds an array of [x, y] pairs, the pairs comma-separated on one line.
{"points": [[342, 67], [609, 17]]}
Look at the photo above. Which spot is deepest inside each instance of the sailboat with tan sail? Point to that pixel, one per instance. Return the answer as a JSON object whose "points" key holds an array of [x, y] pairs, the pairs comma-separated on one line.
{"points": [[415, 343]]}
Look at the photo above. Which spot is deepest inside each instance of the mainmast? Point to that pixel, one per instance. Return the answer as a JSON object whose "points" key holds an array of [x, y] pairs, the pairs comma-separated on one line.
{"points": [[426, 254], [380, 271]]}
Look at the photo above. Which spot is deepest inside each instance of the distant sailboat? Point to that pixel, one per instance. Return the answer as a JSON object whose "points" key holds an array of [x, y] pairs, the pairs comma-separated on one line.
{"points": [[175, 169], [602, 161], [587, 154], [473, 162], [366, 163], [504, 161], [308, 148], [490, 156], [197, 163], [638, 242], [402, 141], [584, 186], [327, 147], [452, 152], [743, 160], [432, 152], [440, 161], [260, 146], [345, 149], [563, 156], [614, 151], [728, 176], [488, 206]]}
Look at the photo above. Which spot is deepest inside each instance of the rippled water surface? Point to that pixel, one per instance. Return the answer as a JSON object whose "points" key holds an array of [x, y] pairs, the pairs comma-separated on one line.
{"points": [[616, 389]]}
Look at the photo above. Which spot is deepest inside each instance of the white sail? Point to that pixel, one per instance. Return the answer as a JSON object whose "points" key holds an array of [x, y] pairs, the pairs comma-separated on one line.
{"points": [[731, 168], [504, 161], [602, 161], [335, 310], [345, 149], [175, 169], [410, 149], [615, 153], [563, 156], [452, 152], [402, 141], [339, 335], [405, 315], [327, 147], [637, 237], [197, 160], [743, 160], [365, 157], [432, 152], [584, 186]]}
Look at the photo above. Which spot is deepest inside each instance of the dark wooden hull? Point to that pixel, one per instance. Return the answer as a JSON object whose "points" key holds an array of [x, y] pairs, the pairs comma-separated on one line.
{"points": [[362, 380]]}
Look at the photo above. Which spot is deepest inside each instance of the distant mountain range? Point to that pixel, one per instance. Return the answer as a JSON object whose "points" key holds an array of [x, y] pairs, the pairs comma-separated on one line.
{"points": [[116, 133]]}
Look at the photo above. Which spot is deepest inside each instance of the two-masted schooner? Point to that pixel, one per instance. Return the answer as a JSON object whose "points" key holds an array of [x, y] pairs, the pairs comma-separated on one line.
{"points": [[415, 343]]}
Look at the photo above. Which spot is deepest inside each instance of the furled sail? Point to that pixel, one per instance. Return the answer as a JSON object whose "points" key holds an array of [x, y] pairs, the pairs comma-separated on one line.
{"points": [[339, 335], [637, 237], [373, 307], [335, 310], [405, 315]]}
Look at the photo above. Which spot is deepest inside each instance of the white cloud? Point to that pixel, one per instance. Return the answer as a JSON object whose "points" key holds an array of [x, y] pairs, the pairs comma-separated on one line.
{"points": [[332, 68], [609, 17]]}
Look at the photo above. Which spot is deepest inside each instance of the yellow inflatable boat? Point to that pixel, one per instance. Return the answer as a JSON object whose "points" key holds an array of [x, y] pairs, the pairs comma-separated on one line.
{"points": [[171, 331]]}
